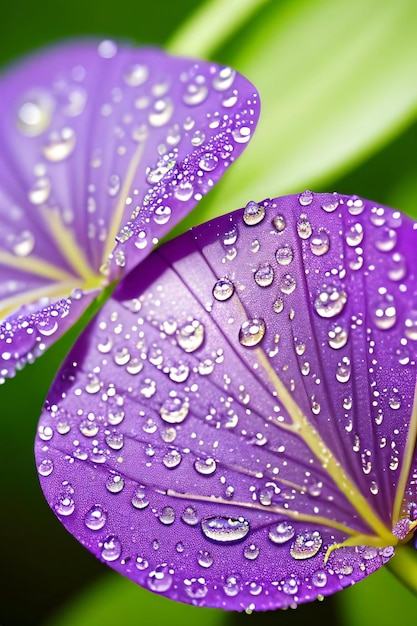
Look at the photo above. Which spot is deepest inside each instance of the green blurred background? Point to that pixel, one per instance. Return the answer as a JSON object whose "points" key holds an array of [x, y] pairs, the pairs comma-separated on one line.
{"points": [[338, 83]]}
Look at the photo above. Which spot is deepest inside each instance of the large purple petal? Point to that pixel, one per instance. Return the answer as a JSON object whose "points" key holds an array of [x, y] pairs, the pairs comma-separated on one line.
{"points": [[243, 405], [103, 150]]}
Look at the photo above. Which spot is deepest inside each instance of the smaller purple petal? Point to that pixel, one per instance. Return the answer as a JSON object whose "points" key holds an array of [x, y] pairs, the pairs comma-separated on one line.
{"points": [[104, 148], [27, 334]]}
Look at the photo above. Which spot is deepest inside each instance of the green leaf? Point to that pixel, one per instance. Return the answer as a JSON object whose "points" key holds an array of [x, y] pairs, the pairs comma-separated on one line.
{"points": [[115, 600], [337, 82]]}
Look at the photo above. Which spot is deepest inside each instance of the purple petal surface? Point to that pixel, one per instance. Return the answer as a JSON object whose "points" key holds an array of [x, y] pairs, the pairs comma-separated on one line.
{"points": [[103, 150], [243, 405]]}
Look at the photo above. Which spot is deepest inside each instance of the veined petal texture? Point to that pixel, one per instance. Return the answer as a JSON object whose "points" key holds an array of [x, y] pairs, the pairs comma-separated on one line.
{"points": [[103, 149], [237, 426]]}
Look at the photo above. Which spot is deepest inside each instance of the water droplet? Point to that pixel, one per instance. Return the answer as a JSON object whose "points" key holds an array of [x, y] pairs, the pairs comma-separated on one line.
{"points": [[231, 586], [252, 332], [112, 549], [306, 546], [115, 484], [65, 505], [279, 223], [304, 229], [225, 529], [60, 145], [208, 162], [195, 94], [172, 459], [281, 533], [223, 289], [264, 275], [23, 243], [39, 193], [251, 552], [196, 588], [355, 205], [139, 499], [190, 516], [330, 301], [167, 516], [46, 467], [343, 370], [253, 213], [190, 336], [136, 75], [278, 305], [241, 134], [205, 559], [338, 336], [35, 114], [385, 312], [284, 255], [287, 284], [397, 267], [354, 235], [224, 79], [162, 112], [387, 238], [205, 466], [160, 579], [95, 518], [88, 428], [319, 579], [162, 215], [306, 198], [141, 563], [175, 409], [320, 243]]}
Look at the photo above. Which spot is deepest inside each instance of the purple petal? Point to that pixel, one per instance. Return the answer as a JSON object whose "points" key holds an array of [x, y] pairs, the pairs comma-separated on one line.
{"points": [[104, 149], [243, 405]]}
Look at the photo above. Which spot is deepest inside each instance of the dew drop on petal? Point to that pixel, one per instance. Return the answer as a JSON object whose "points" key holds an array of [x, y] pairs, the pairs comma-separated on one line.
{"points": [[330, 301], [281, 533], [112, 549], [190, 336], [284, 255], [320, 243], [175, 409], [253, 214], [95, 518], [252, 332], [160, 579], [306, 545], [264, 275], [223, 289], [225, 529]]}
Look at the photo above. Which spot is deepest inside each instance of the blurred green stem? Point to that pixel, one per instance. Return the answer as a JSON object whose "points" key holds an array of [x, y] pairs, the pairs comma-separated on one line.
{"points": [[404, 566], [211, 25]]}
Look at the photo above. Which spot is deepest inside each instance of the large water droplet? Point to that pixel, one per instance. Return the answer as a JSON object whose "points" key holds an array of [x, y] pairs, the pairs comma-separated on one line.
{"points": [[112, 549], [306, 546], [252, 332], [284, 255], [253, 213], [225, 529], [264, 275], [140, 500], [304, 229], [60, 145], [330, 301], [190, 336], [281, 533], [205, 466], [338, 336], [35, 114], [95, 518], [175, 409], [320, 243], [223, 289], [160, 579]]}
